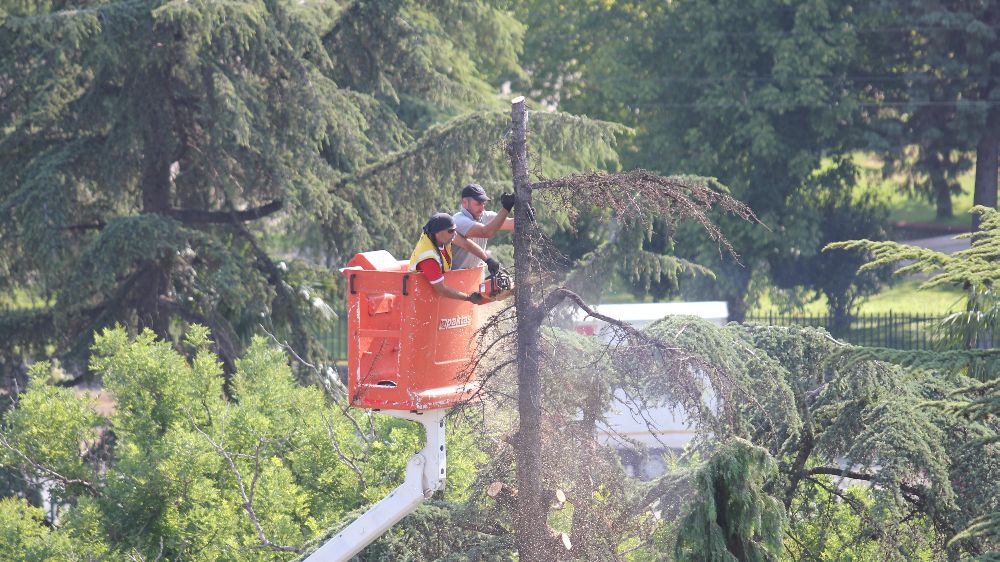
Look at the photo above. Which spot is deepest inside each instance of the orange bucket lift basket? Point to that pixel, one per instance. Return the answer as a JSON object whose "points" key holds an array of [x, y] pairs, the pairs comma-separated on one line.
{"points": [[408, 348]]}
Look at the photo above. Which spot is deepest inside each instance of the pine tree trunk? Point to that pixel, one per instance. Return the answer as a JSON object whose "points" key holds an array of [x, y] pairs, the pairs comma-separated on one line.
{"points": [[154, 282], [530, 521], [734, 541], [942, 193], [987, 161], [840, 319], [736, 302], [944, 207]]}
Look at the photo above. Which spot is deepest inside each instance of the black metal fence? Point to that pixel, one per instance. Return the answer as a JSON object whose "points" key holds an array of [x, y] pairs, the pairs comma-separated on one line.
{"points": [[900, 331], [891, 329], [335, 339]]}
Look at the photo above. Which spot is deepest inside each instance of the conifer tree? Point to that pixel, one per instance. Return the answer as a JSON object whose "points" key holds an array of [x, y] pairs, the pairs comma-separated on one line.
{"points": [[969, 346], [789, 391], [931, 69], [755, 94], [150, 150]]}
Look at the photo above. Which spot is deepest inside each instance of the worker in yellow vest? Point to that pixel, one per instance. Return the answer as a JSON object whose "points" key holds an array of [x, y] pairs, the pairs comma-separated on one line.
{"points": [[433, 256]]}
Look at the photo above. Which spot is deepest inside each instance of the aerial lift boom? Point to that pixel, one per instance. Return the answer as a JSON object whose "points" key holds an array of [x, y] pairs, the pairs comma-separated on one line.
{"points": [[425, 474]]}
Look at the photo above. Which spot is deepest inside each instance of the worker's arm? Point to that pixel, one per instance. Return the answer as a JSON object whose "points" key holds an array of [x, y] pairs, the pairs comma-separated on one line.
{"points": [[445, 291], [471, 247], [497, 223], [432, 271]]}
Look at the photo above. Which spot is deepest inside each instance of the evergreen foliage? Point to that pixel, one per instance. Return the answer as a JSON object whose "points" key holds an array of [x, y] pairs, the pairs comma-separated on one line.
{"points": [[820, 414], [755, 95], [841, 215], [975, 400], [731, 517], [808, 420], [151, 149], [163, 465], [931, 67], [398, 191], [180, 471]]}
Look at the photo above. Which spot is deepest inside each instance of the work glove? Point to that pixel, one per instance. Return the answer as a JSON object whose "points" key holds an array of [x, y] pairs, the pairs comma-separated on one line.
{"points": [[493, 265], [507, 200], [474, 298]]}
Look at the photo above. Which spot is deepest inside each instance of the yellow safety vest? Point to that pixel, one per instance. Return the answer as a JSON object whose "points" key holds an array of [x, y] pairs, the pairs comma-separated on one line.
{"points": [[426, 249]]}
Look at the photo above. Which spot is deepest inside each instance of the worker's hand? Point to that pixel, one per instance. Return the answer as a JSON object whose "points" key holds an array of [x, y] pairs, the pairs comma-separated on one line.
{"points": [[493, 265], [474, 298], [507, 200]]}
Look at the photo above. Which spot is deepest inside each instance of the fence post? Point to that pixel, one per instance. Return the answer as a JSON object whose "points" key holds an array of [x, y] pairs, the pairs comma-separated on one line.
{"points": [[891, 331]]}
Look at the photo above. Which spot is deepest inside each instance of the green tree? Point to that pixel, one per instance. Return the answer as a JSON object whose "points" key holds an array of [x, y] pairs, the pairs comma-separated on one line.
{"points": [[813, 415], [833, 522], [756, 95], [809, 417], [930, 70], [181, 471], [837, 213], [23, 534], [151, 148], [732, 517], [970, 347]]}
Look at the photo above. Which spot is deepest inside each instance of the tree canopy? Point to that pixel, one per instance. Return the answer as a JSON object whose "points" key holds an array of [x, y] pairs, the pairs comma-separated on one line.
{"points": [[179, 178], [964, 350], [154, 152], [178, 470]]}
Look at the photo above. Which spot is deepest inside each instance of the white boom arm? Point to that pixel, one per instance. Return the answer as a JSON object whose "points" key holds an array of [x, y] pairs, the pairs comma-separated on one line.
{"points": [[425, 474]]}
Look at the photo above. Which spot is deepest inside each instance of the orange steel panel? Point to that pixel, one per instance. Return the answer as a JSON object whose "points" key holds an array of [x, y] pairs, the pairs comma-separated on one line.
{"points": [[408, 348]]}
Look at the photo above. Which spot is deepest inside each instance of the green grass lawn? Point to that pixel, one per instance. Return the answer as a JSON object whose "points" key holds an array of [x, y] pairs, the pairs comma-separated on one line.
{"points": [[904, 297], [904, 207]]}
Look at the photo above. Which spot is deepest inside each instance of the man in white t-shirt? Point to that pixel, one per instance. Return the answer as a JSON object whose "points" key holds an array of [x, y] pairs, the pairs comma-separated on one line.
{"points": [[477, 224]]}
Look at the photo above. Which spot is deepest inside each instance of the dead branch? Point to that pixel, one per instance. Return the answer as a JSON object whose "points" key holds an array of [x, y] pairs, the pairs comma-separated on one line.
{"points": [[638, 196], [50, 473], [247, 496], [343, 456], [866, 476], [198, 216]]}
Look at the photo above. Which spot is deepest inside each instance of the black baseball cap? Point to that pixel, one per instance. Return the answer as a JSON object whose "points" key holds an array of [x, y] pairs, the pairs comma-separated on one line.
{"points": [[439, 222], [475, 191]]}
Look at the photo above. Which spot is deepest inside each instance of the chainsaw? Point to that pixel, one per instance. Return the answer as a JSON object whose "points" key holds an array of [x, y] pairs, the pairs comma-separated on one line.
{"points": [[497, 287]]}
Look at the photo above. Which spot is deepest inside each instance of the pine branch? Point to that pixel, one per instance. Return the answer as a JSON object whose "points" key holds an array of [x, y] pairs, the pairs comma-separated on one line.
{"points": [[197, 216], [558, 295], [96, 225], [866, 476], [805, 445], [638, 196], [434, 136]]}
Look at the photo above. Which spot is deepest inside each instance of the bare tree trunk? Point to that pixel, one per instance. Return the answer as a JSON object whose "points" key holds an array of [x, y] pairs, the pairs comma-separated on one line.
{"points": [[530, 524], [585, 534], [155, 280], [942, 194], [987, 161], [736, 302]]}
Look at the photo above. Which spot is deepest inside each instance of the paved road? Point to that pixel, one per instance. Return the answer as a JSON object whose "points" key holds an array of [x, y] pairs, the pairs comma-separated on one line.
{"points": [[946, 243]]}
